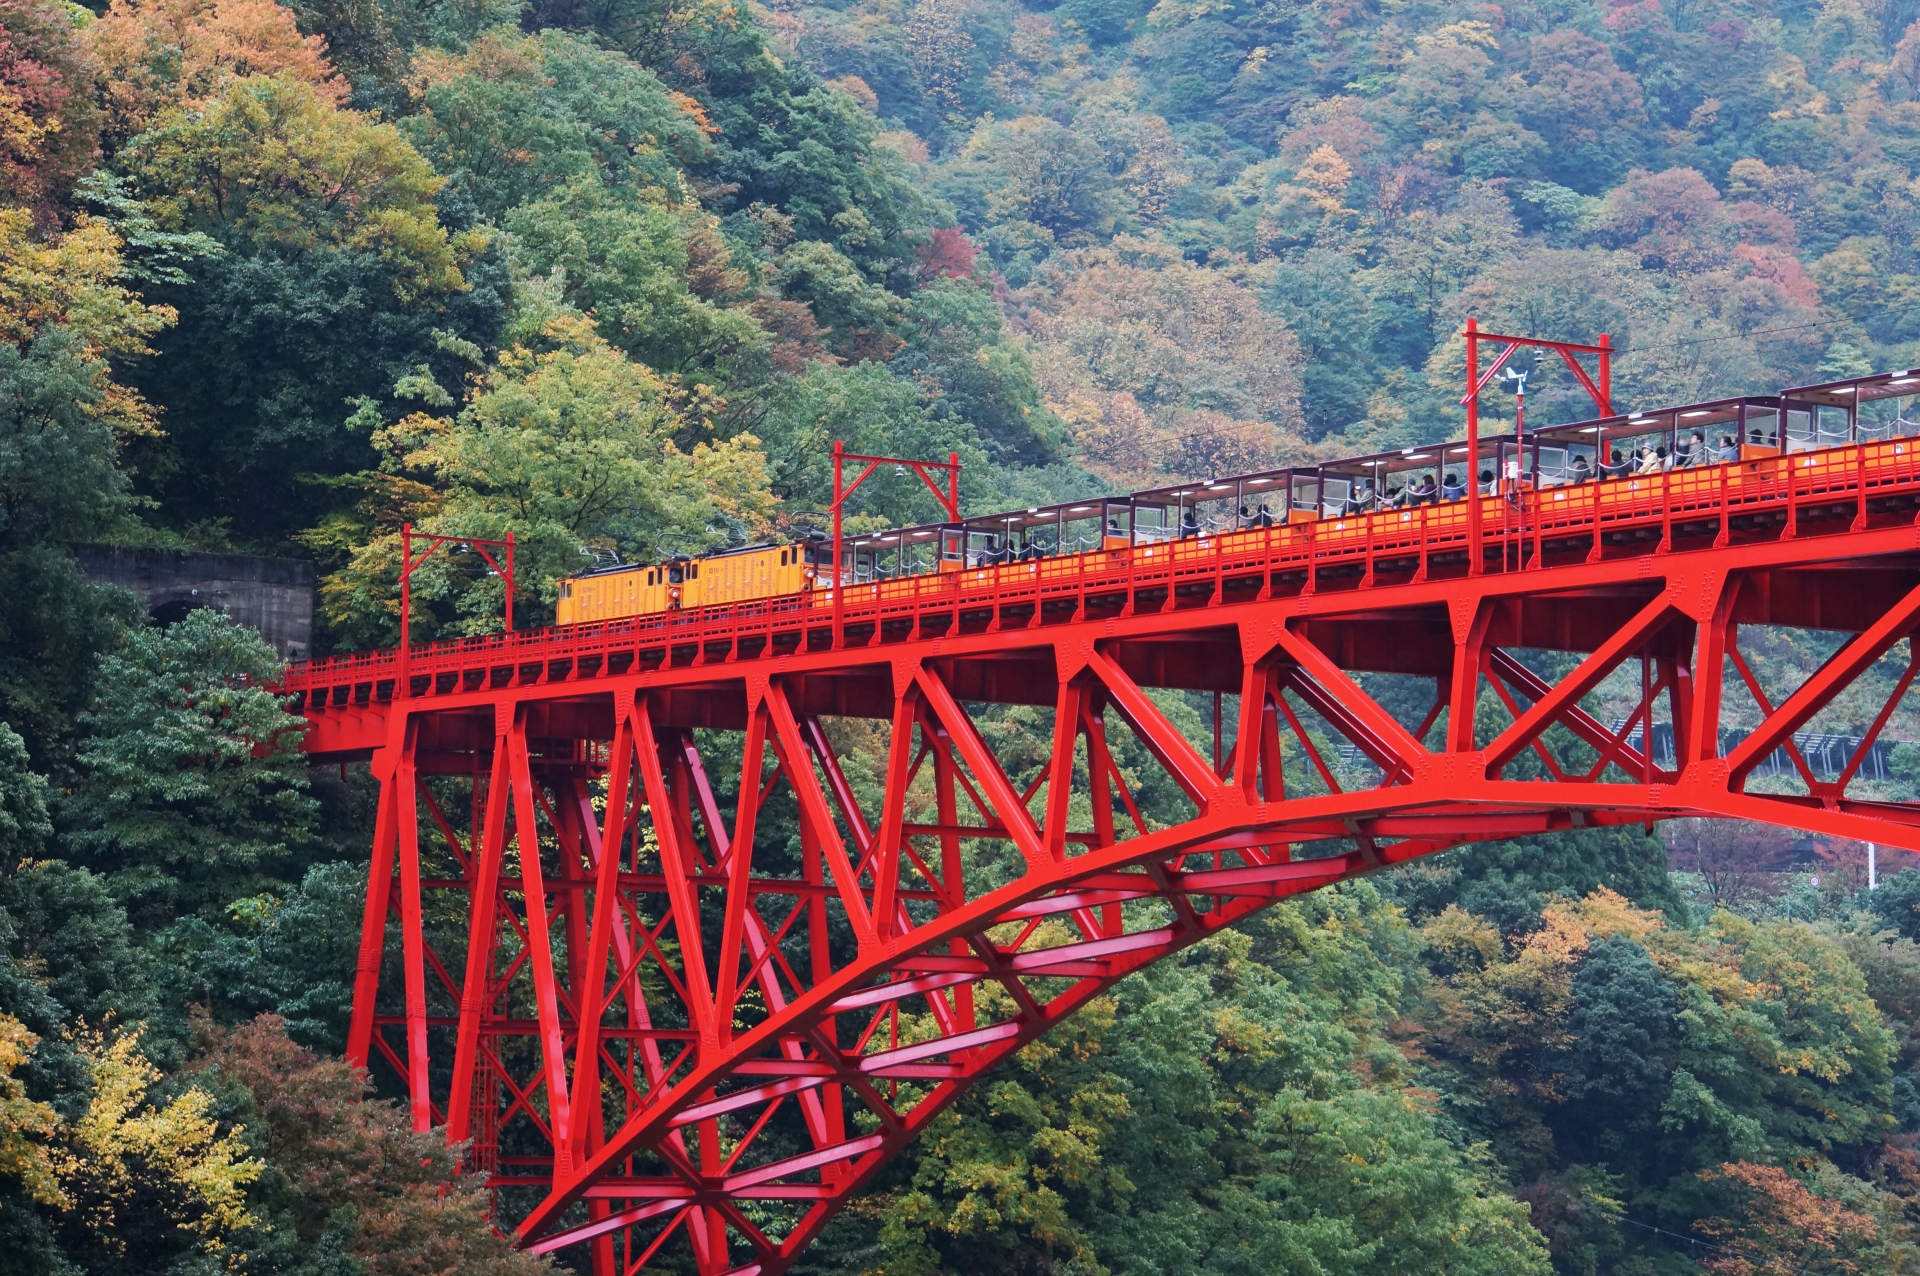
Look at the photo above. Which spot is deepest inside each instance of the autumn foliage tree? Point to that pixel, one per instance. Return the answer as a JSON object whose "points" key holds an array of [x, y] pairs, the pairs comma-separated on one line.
{"points": [[1782, 1224], [351, 1167], [157, 54], [49, 120]]}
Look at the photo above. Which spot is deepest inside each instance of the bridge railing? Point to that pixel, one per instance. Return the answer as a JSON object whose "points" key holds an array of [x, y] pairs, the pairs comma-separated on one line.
{"points": [[1519, 526]]}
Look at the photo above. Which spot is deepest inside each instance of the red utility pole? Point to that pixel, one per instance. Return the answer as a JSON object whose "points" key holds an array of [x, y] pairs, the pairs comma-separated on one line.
{"points": [[402, 685], [1569, 351], [949, 501]]}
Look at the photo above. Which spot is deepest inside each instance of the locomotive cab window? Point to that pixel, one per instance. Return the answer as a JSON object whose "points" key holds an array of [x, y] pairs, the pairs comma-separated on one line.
{"points": [[676, 574]]}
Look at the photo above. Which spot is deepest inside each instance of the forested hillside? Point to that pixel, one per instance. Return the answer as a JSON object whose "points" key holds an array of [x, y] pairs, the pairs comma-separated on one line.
{"points": [[613, 275]]}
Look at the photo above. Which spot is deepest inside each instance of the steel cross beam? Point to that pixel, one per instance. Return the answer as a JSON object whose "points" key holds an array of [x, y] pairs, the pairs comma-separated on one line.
{"points": [[687, 930]]}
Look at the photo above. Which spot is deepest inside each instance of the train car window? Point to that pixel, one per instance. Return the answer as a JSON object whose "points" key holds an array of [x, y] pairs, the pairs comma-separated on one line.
{"points": [[676, 574], [1334, 495]]}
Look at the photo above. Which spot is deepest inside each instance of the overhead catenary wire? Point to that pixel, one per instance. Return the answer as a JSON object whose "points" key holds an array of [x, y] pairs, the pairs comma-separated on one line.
{"points": [[1876, 311], [1695, 1243]]}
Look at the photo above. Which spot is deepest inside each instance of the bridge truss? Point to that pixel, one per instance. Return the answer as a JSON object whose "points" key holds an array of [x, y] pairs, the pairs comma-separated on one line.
{"points": [[684, 976]]}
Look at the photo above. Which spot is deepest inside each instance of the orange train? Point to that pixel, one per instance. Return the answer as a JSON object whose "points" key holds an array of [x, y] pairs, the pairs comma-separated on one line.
{"points": [[724, 576]]}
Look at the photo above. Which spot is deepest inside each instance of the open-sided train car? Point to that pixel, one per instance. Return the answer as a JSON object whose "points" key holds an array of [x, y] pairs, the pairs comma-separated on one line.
{"points": [[1421, 489]]}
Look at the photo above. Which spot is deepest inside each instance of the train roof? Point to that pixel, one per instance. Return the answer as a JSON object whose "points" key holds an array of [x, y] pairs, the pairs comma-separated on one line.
{"points": [[1685, 416], [707, 556], [1840, 394]]}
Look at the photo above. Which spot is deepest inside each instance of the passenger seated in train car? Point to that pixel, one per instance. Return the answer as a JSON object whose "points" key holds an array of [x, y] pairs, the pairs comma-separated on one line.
{"points": [[1649, 460], [1423, 491], [1728, 451], [1031, 550], [1615, 466], [1362, 500], [1452, 489], [1580, 470], [1189, 525], [1487, 485], [1265, 517], [1244, 519], [1696, 452]]}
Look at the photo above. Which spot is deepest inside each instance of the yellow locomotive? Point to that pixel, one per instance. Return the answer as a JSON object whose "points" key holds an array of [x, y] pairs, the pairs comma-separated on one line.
{"points": [[725, 576]]}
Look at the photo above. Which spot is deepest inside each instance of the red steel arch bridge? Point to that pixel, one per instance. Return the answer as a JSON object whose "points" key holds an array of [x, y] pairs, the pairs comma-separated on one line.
{"points": [[633, 931]]}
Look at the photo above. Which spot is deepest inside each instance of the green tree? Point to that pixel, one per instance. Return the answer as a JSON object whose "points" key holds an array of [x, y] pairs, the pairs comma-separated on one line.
{"points": [[1897, 902], [66, 317], [70, 931], [650, 273], [1510, 882], [24, 827], [1031, 181], [1323, 304], [191, 788], [958, 347], [569, 444], [524, 117], [340, 278], [875, 413], [858, 314], [291, 956]]}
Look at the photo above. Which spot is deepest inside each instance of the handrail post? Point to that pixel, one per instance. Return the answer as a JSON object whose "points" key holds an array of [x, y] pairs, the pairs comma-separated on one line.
{"points": [[1792, 529], [1307, 588], [1266, 564], [1860, 482], [1366, 581], [403, 685], [839, 589], [1666, 512], [1219, 569], [1539, 523], [1476, 554], [1593, 555], [1421, 573]]}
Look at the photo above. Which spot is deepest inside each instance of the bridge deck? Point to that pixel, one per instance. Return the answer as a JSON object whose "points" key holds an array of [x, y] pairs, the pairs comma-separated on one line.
{"points": [[1530, 533]]}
